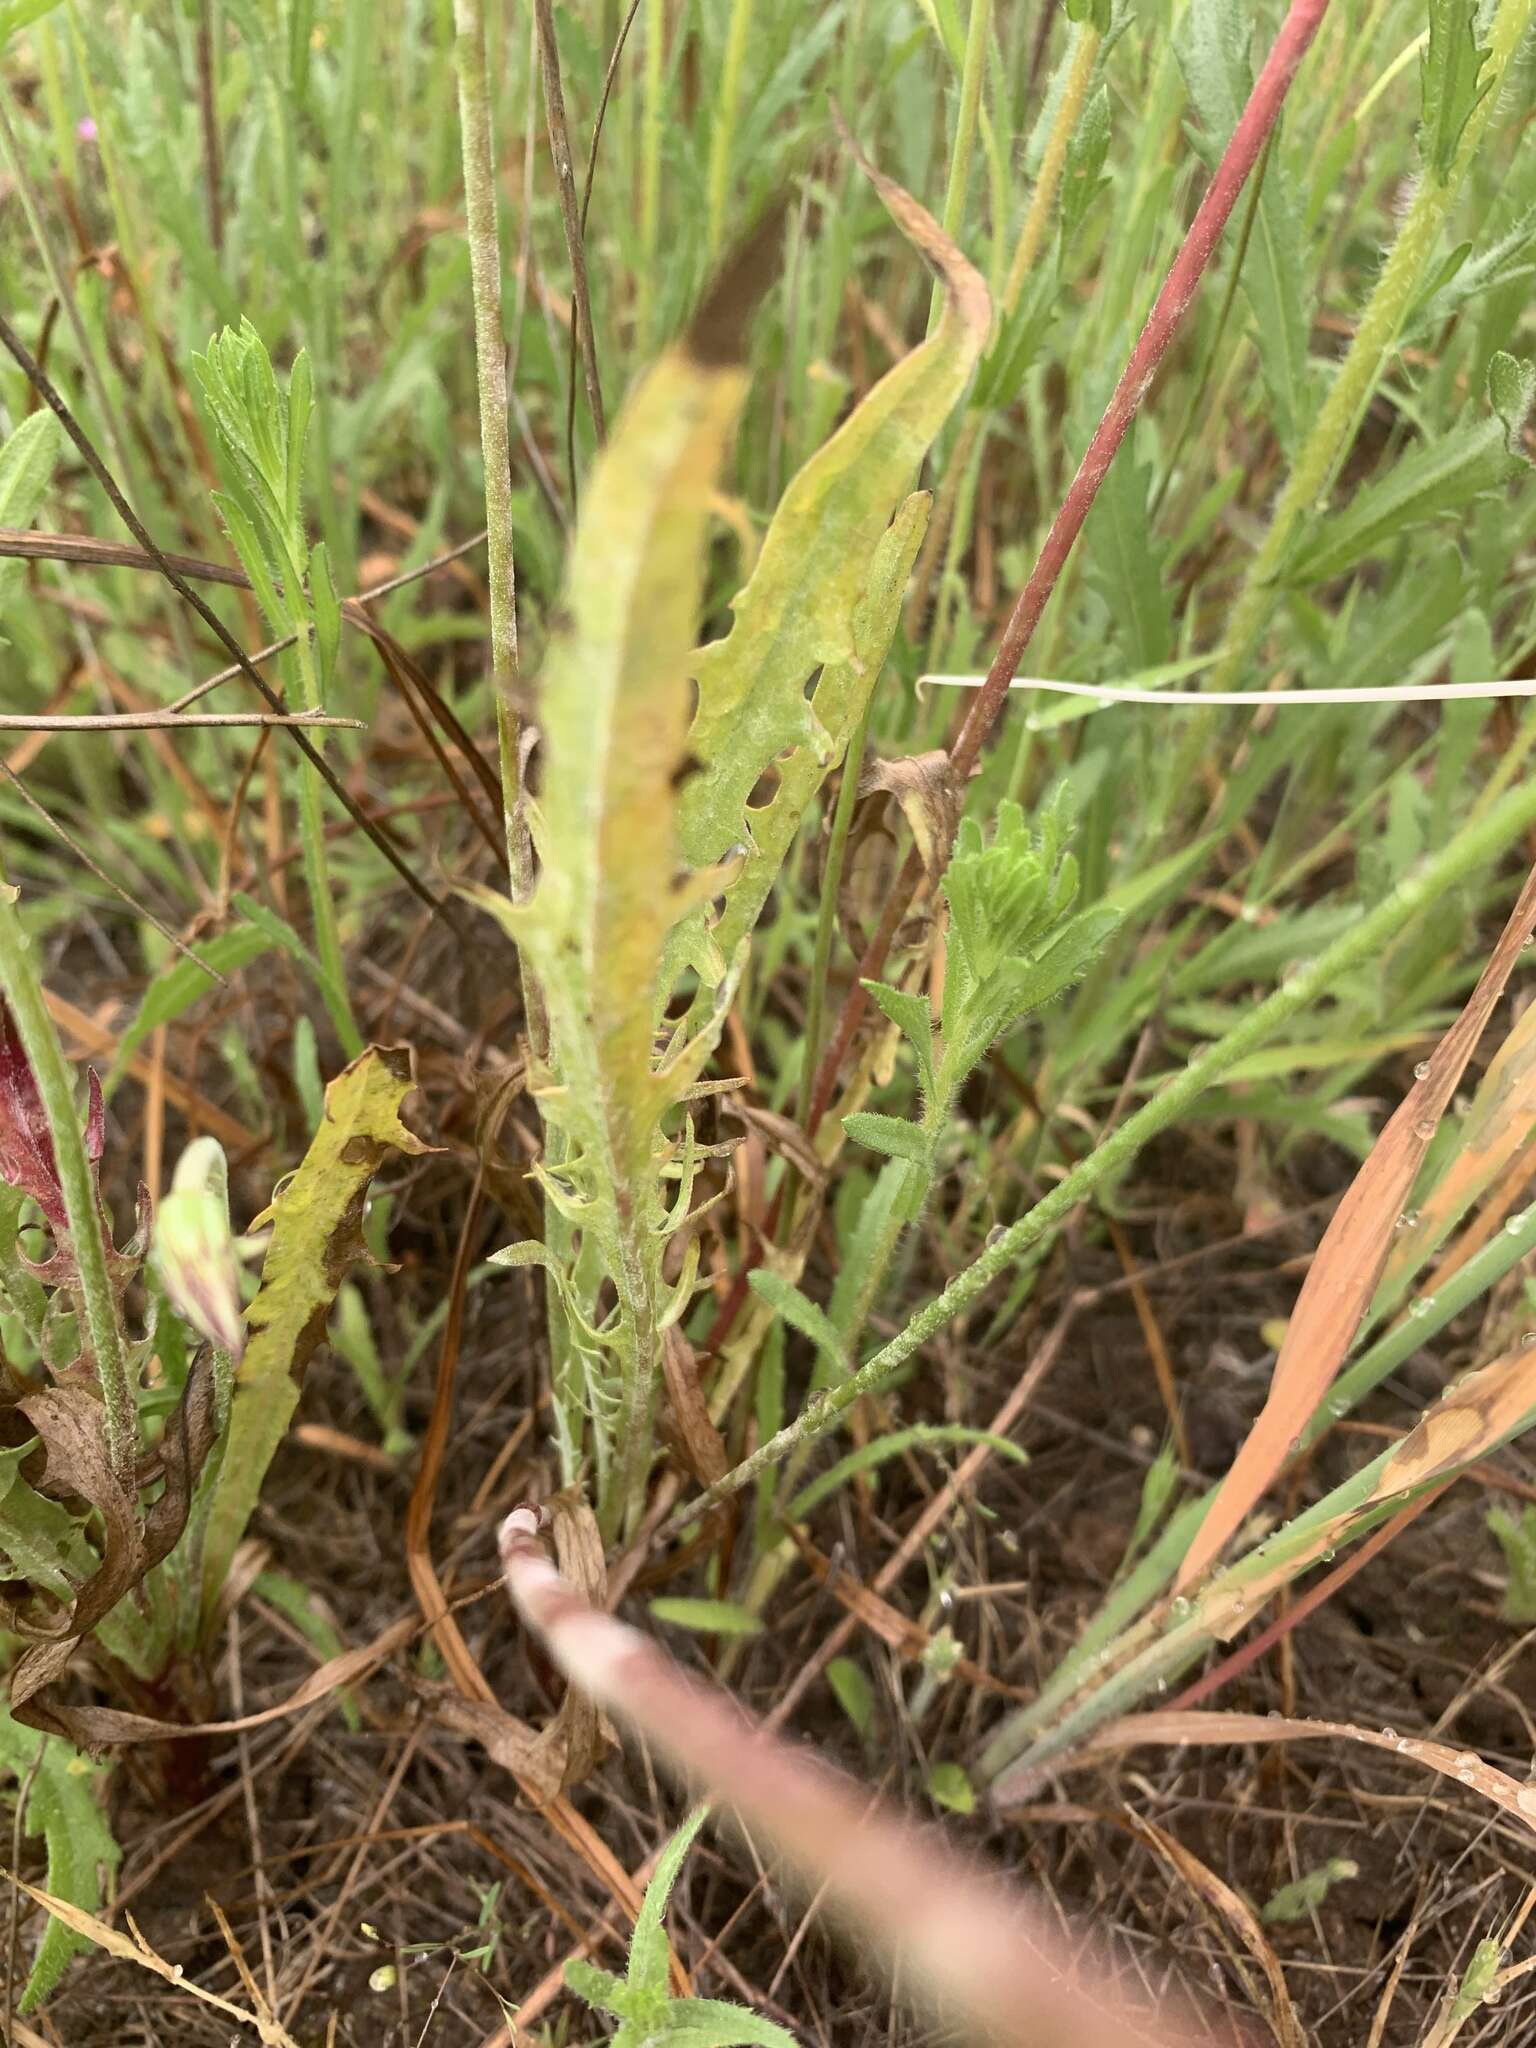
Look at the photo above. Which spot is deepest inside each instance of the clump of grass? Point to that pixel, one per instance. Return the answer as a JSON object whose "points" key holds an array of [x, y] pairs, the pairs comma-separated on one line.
{"points": [[829, 1035]]}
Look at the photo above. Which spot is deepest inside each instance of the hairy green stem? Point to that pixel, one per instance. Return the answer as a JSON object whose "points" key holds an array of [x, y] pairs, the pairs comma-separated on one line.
{"points": [[972, 72], [479, 158], [652, 120], [1477, 842], [727, 104], [1334, 429], [56, 1086], [316, 866], [1032, 236]]}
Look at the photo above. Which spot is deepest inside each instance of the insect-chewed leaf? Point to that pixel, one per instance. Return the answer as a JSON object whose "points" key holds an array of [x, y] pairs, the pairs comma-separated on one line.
{"points": [[614, 707], [800, 611], [837, 704], [315, 1238]]}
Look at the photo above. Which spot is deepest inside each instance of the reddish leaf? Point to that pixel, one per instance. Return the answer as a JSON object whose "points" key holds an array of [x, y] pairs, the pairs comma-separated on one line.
{"points": [[26, 1144]]}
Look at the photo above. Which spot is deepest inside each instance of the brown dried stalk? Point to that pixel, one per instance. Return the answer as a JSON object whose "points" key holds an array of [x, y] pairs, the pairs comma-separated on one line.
{"points": [[976, 1945]]}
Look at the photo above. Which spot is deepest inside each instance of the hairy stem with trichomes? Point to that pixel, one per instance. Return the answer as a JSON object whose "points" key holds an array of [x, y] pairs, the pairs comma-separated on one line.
{"points": [[56, 1087]]}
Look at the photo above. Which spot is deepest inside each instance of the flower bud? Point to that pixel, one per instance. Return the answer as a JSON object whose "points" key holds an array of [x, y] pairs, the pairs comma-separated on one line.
{"points": [[195, 1247]]}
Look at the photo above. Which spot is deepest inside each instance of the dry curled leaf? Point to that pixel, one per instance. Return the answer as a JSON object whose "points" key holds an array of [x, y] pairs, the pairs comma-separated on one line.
{"points": [[703, 1449], [575, 1742], [928, 793]]}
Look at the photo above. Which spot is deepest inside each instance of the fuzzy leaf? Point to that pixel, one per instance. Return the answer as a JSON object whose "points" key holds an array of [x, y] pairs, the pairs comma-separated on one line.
{"points": [[1127, 565], [863, 1250], [315, 1238], [707, 1617], [1467, 275], [1083, 175], [26, 468], [1448, 73], [851, 1690], [799, 1311], [649, 1954], [1301, 1898], [949, 1786], [913, 1015], [1212, 48], [1429, 482], [889, 1134], [716, 2023], [601, 1989]]}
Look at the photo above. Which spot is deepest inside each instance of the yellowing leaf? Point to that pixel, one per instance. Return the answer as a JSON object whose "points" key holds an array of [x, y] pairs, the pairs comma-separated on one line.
{"points": [[316, 1237], [614, 706], [825, 594]]}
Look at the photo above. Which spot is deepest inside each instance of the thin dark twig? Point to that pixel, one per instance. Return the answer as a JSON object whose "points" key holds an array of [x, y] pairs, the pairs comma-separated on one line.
{"points": [[602, 108], [570, 220], [43, 385], [208, 114], [227, 675], [101, 874], [404, 676], [442, 710], [89, 550], [171, 721]]}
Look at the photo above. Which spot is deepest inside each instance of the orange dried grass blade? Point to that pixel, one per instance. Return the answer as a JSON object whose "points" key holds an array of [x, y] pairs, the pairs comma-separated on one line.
{"points": [[1349, 1261], [1498, 1125]]}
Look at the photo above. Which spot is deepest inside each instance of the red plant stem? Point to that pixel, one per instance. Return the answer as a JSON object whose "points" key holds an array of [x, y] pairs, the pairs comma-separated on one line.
{"points": [[979, 1947], [1173, 302]]}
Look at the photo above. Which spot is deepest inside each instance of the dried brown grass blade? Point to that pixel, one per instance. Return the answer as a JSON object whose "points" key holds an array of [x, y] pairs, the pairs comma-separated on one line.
{"points": [[1230, 1906], [1349, 1261], [96, 1727], [1175, 1730], [136, 1949]]}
